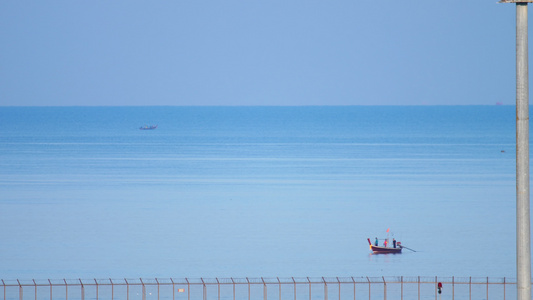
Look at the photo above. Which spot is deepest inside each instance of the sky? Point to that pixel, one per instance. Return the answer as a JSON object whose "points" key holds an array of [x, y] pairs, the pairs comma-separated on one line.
{"points": [[256, 52]]}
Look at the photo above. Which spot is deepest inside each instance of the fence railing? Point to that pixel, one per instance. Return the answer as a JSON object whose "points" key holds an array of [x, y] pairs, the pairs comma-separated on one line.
{"points": [[341, 288]]}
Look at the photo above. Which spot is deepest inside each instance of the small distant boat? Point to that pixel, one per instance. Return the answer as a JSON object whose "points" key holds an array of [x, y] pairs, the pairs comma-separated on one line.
{"points": [[146, 127]]}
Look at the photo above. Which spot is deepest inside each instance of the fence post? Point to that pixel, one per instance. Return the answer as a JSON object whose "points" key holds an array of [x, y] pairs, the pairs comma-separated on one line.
{"points": [[204, 289], [127, 289], [35, 285], [453, 288], [418, 287], [112, 289], [218, 284], [50, 282], [143, 289], [264, 289], [401, 283], [189, 289], [309, 287], [82, 290], [487, 288], [173, 289], [66, 290], [4, 284], [435, 287], [279, 283], [20, 290], [157, 281], [234, 288], [294, 287], [470, 289], [96, 282], [369, 291], [504, 288], [249, 293], [353, 288], [384, 288], [339, 287], [325, 289]]}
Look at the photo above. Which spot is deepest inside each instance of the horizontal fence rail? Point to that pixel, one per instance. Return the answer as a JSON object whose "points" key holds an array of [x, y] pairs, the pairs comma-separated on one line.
{"points": [[323, 288]]}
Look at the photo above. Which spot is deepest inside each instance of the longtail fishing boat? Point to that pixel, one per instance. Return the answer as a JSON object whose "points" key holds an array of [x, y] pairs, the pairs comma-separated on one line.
{"points": [[385, 249], [376, 249]]}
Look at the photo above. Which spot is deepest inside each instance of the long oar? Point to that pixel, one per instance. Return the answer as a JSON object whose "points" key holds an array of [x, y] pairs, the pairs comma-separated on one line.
{"points": [[407, 248]]}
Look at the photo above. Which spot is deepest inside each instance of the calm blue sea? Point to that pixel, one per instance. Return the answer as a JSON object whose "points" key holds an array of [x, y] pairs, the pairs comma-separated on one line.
{"points": [[256, 191]]}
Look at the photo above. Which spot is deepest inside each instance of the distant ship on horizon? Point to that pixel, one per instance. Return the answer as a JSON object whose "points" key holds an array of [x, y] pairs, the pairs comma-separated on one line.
{"points": [[146, 127]]}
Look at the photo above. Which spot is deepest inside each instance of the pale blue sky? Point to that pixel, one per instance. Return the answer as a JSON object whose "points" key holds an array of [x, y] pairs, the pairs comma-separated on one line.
{"points": [[256, 52]]}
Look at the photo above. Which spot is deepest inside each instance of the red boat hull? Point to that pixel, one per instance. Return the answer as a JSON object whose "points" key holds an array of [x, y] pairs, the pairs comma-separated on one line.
{"points": [[384, 250]]}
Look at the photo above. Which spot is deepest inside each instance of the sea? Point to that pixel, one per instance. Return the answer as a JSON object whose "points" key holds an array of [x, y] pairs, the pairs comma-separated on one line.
{"points": [[256, 191]]}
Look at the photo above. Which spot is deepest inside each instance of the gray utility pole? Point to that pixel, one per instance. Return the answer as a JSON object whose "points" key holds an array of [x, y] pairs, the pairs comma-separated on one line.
{"points": [[523, 251]]}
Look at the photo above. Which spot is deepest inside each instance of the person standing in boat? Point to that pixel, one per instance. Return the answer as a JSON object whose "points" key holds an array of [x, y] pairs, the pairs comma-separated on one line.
{"points": [[393, 242], [376, 242]]}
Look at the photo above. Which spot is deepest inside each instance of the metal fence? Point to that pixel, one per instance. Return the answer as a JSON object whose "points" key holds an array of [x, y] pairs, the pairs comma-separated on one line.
{"points": [[341, 288]]}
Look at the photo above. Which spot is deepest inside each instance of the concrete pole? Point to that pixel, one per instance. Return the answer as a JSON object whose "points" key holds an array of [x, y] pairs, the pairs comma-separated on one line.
{"points": [[523, 251]]}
